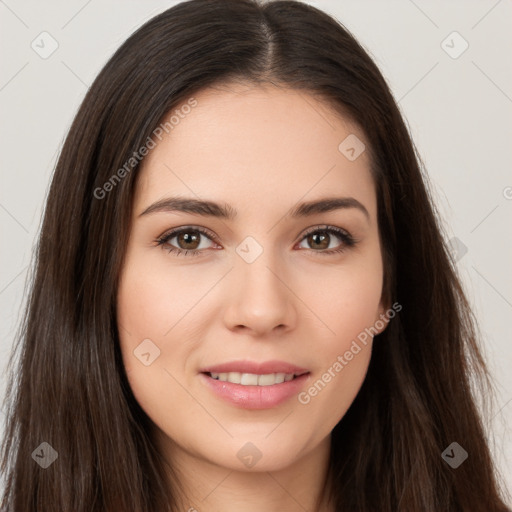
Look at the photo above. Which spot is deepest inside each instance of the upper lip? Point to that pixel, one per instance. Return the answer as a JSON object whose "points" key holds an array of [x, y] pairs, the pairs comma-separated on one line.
{"points": [[258, 368]]}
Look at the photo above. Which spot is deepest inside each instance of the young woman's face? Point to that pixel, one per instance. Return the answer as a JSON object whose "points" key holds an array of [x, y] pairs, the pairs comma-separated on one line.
{"points": [[268, 292]]}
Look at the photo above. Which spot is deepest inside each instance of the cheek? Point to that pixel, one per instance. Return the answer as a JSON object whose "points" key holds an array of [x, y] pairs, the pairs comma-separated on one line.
{"points": [[349, 309], [347, 302], [142, 315], [149, 315], [153, 300], [160, 303], [332, 391]]}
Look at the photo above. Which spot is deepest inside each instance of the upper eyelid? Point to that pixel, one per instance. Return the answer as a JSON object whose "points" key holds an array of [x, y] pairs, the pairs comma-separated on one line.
{"points": [[171, 233], [325, 227]]}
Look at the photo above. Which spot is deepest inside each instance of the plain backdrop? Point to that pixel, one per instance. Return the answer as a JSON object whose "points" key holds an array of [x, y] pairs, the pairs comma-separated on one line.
{"points": [[447, 63]]}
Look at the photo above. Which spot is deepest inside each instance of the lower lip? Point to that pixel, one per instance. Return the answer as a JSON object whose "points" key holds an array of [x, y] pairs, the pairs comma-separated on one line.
{"points": [[255, 397]]}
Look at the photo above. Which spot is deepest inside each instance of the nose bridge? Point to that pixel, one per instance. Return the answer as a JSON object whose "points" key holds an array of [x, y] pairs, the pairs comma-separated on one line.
{"points": [[260, 300]]}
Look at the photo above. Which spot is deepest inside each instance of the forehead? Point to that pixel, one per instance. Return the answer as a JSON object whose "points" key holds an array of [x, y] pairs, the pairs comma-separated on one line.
{"points": [[255, 145]]}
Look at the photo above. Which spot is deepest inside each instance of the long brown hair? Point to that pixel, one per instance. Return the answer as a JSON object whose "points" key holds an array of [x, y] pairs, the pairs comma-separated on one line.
{"points": [[69, 387]]}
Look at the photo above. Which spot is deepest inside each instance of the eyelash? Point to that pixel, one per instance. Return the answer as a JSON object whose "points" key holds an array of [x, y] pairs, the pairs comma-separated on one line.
{"points": [[347, 239]]}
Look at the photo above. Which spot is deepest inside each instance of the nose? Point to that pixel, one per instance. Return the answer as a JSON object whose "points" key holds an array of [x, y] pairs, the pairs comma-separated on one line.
{"points": [[261, 300]]}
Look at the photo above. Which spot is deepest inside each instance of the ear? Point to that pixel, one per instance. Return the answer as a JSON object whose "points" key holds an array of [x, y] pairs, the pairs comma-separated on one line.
{"points": [[384, 314]]}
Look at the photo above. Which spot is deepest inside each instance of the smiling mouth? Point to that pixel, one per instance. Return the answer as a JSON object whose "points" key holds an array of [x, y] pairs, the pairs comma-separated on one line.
{"points": [[253, 379]]}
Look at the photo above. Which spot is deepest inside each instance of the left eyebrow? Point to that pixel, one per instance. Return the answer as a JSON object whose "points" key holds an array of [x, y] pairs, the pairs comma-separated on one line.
{"points": [[327, 205], [226, 211]]}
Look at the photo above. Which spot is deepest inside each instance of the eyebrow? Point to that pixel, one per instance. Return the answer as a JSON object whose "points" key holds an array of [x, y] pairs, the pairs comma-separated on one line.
{"points": [[227, 212]]}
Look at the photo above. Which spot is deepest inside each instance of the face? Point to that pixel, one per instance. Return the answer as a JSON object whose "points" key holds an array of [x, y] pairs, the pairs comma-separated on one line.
{"points": [[242, 321]]}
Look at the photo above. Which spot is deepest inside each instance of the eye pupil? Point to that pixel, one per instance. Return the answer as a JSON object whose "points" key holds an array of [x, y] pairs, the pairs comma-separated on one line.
{"points": [[188, 239], [316, 237]]}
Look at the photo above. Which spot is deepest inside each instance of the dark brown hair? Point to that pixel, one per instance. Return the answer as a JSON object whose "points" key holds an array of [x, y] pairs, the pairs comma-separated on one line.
{"points": [[69, 387]]}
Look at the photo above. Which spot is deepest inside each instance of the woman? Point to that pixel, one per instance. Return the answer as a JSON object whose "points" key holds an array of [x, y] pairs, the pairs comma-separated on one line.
{"points": [[242, 296]]}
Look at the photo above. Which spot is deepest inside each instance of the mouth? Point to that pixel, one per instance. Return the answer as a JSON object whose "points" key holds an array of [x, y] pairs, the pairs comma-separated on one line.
{"points": [[251, 385]]}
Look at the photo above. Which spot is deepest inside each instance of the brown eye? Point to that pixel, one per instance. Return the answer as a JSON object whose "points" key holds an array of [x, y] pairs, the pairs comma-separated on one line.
{"points": [[188, 241], [319, 240]]}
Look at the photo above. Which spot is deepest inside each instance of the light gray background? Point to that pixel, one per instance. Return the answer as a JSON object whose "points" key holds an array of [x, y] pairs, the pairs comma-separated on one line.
{"points": [[458, 111]]}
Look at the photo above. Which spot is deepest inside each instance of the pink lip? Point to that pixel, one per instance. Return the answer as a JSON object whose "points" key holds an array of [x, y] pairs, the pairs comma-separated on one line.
{"points": [[262, 368], [255, 397]]}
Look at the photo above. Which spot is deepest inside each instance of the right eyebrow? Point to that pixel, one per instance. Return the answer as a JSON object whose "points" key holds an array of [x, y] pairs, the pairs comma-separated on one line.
{"points": [[190, 205]]}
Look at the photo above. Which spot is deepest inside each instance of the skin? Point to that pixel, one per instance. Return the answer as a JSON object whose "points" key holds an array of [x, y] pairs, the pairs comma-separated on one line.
{"points": [[261, 150]]}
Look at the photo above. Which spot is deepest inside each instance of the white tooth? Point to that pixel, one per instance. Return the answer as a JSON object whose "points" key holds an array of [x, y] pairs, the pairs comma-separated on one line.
{"points": [[249, 379], [267, 380], [279, 378], [234, 377]]}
